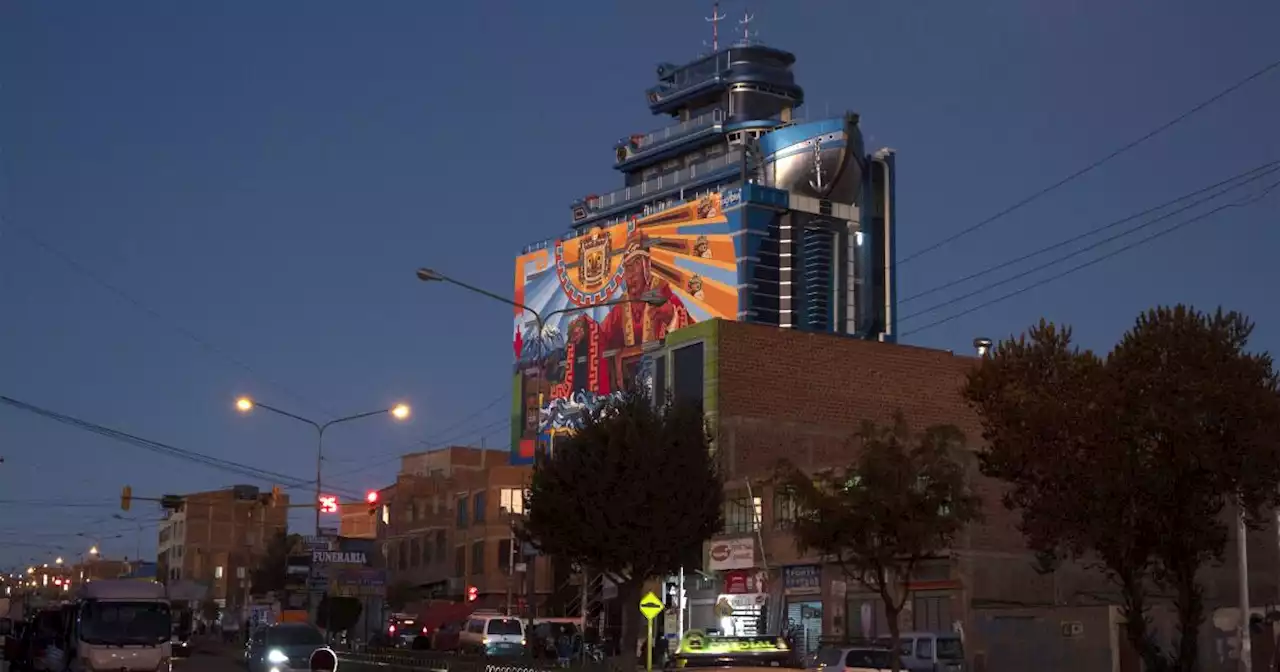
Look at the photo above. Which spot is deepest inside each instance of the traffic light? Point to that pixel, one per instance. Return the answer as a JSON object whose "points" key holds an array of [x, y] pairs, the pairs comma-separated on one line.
{"points": [[328, 504], [473, 593], [126, 498], [372, 498]]}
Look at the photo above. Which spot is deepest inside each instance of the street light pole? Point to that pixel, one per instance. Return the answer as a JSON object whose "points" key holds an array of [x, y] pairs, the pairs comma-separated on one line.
{"points": [[246, 404]]}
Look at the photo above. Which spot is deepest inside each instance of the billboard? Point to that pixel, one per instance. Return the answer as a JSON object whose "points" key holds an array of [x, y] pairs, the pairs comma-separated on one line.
{"points": [[600, 297]]}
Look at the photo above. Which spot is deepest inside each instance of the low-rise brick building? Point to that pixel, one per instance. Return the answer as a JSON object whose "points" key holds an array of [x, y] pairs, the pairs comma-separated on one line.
{"points": [[447, 527]]}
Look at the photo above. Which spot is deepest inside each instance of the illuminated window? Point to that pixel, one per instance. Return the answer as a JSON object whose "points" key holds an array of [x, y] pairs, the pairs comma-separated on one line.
{"points": [[512, 501], [217, 572]]}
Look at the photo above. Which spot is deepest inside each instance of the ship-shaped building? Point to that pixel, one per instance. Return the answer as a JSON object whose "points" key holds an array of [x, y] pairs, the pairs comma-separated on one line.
{"points": [[737, 208]]}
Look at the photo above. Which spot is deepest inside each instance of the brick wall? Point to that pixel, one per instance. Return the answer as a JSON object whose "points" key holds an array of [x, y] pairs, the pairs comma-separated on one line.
{"points": [[801, 396], [421, 507]]}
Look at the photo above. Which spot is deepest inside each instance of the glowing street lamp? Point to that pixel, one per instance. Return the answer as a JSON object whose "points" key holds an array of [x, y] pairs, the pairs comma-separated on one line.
{"points": [[398, 412]]}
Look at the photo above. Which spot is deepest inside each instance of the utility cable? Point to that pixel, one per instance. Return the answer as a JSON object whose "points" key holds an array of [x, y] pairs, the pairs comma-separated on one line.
{"points": [[158, 447], [1096, 164], [1086, 234], [1267, 190], [1274, 167]]}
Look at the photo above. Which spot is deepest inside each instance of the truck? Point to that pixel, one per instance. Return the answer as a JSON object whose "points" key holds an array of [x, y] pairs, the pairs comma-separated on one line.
{"points": [[121, 625]]}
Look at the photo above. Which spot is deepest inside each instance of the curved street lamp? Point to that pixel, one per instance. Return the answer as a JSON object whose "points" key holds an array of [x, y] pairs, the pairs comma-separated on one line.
{"points": [[247, 404]]}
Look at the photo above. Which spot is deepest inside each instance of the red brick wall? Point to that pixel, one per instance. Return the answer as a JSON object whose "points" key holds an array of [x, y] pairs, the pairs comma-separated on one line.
{"points": [[801, 396]]}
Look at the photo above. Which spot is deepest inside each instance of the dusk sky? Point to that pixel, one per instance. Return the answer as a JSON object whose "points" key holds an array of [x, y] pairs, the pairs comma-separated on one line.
{"points": [[200, 200]]}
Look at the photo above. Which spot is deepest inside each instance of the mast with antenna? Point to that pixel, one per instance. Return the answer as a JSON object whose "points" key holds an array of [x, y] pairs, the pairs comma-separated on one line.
{"points": [[745, 22], [715, 19]]}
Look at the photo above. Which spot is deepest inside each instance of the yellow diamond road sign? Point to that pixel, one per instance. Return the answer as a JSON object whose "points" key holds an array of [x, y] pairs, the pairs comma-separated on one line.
{"points": [[650, 606]]}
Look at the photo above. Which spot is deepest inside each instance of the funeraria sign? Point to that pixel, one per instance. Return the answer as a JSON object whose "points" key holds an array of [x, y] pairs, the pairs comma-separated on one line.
{"points": [[339, 558]]}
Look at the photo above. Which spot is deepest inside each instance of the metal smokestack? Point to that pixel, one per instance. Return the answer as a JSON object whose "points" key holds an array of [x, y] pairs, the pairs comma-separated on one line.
{"points": [[982, 345]]}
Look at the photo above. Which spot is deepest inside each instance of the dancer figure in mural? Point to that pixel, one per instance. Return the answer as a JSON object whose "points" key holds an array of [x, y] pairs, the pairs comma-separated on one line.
{"points": [[628, 326]]}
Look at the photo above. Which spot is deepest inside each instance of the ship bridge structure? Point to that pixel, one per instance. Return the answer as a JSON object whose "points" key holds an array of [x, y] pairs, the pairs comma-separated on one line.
{"points": [[735, 205]]}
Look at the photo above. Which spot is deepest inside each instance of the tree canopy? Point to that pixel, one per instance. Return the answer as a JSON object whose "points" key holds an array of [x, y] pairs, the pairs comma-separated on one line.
{"points": [[337, 613], [628, 494], [1130, 460], [269, 574], [904, 499]]}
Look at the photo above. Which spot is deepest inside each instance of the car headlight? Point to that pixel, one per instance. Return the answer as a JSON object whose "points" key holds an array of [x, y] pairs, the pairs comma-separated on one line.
{"points": [[277, 656]]}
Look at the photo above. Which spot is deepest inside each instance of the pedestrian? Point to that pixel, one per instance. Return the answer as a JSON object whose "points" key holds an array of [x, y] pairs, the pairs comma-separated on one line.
{"points": [[564, 649]]}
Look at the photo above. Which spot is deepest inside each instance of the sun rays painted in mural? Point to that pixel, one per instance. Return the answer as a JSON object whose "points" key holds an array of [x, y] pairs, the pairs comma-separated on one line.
{"points": [[604, 295]]}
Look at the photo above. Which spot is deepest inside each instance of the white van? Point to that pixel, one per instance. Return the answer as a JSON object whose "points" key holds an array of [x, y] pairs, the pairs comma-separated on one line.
{"points": [[492, 634], [121, 625]]}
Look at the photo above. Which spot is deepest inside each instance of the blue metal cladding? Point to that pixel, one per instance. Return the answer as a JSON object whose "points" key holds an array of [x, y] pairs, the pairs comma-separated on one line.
{"points": [[761, 274], [817, 278]]}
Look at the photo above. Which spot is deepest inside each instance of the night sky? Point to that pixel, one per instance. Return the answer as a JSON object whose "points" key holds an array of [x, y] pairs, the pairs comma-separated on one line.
{"points": [[205, 199]]}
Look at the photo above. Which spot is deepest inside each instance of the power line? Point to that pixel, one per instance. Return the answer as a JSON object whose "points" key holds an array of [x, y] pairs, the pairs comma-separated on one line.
{"points": [[1096, 164], [1086, 234], [1096, 260], [1275, 167], [158, 447], [443, 443]]}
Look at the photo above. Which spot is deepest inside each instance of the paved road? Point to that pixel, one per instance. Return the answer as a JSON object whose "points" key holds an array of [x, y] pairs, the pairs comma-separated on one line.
{"points": [[202, 661]]}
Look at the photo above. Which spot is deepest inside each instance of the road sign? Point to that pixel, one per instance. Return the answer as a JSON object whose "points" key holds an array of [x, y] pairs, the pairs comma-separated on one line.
{"points": [[650, 606]]}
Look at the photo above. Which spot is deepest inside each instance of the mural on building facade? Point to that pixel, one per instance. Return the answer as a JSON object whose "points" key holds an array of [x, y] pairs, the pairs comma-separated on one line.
{"points": [[674, 268]]}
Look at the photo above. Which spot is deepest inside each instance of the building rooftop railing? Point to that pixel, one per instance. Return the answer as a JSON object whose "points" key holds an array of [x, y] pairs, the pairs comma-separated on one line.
{"points": [[613, 199], [663, 136]]}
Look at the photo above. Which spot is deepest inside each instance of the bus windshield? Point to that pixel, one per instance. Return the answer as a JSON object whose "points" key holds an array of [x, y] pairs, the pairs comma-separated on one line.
{"points": [[124, 623]]}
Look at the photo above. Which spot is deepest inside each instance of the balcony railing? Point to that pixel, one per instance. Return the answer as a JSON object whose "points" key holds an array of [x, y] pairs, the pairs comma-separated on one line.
{"points": [[691, 76], [663, 136], [663, 182]]}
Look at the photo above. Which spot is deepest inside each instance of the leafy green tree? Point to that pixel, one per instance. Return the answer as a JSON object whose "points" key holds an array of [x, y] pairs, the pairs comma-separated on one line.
{"points": [[628, 495], [903, 500], [269, 574], [1131, 461]]}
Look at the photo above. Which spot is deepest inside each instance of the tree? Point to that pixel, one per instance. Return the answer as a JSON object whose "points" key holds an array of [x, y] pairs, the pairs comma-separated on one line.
{"points": [[336, 613], [902, 501], [269, 575], [1129, 462], [628, 495]]}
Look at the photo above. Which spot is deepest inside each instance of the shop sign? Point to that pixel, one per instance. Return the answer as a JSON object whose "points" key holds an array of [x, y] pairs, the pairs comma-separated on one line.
{"points": [[728, 554], [802, 579], [742, 581]]}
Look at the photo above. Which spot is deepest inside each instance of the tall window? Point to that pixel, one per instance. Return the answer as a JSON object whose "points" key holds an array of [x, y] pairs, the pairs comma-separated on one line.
{"points": [[504, 555], [460, 561], [426, 550], [785, 509], [415, 552], [462, 512], [512, 501], [741, 512], [686, 365], [440, 546], [660, 381], [477, 506], [404, 555], [477, 558]]}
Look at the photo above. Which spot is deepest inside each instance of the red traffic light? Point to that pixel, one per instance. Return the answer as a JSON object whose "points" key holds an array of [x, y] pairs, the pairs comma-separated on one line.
{"points": [[328, 504], [372, 497], [473, 593]]}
